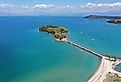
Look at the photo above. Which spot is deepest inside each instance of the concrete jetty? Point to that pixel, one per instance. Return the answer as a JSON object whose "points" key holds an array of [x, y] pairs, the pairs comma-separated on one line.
{"points": [[86, 49]]}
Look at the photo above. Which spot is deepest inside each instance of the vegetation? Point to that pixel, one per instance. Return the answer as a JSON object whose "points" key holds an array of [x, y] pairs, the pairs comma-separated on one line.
{"points": [[112, 78], [57, 32], [102, 17], [115, 21]]}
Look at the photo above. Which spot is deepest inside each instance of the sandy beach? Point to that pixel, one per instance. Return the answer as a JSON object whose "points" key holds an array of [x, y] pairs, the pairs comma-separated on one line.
{"points": [[107, 66]]}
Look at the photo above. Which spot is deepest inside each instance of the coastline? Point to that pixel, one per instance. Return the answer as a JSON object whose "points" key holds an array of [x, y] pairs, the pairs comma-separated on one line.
{"points": [[106, 67], [107, 64], [93, 75], [37, 43], [62, 40]]}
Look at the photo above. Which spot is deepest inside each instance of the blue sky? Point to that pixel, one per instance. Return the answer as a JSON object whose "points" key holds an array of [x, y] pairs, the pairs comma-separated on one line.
{"points": [[59, 7], [57, 2]]}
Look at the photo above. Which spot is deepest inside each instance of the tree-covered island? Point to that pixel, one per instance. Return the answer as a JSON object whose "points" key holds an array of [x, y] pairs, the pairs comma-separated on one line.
{"points": [[58, 32]]}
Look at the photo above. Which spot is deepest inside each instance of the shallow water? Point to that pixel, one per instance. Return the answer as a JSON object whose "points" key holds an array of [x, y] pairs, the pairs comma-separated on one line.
{"points": [[27, 55]]}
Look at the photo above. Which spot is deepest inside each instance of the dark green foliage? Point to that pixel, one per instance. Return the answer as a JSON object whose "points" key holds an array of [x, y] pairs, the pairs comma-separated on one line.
{"points": [[58, 32]]}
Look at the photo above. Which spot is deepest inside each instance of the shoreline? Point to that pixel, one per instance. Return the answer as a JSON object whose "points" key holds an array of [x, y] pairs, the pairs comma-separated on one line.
{"points": [[107, 66], [62, 40], [96, 70], [107, 63]]}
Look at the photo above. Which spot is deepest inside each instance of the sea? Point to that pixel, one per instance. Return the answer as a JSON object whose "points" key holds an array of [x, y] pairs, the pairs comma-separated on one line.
{"points": [[27, 55]]}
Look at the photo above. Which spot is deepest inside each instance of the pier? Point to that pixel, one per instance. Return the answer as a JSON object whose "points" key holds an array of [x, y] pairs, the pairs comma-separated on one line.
{"points": [[86, 49]]}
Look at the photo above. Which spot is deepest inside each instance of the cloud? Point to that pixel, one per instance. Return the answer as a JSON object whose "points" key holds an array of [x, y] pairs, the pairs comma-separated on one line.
{"points": [[101, 5], [26, 7], [46, 9], [67, 7], [6, 5], [43, 6]]}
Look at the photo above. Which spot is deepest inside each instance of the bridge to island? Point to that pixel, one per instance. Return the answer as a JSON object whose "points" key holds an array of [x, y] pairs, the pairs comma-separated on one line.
{"points": [[86, 49]]}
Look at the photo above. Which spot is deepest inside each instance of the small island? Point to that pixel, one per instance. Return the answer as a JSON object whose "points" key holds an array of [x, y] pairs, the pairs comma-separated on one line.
{"points": [[102, 17], [115, 21], [58, 32], [111, 19]]}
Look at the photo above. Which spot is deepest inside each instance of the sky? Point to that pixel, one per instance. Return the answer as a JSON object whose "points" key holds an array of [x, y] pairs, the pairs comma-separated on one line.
{"points": [[57, 2], [59, 7]]}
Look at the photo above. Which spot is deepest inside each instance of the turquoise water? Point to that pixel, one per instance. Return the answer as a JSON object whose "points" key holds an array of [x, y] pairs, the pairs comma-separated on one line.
{"points": [[118, 68], [27, 55]]}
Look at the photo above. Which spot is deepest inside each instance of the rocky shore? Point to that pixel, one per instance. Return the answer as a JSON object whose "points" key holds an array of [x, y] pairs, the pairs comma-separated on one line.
{"points": [[115, 21]]}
